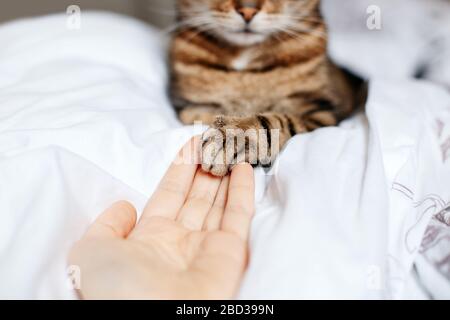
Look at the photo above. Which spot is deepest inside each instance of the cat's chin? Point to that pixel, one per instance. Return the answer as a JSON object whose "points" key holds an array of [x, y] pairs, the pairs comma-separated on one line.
{"points": [[243, 38]]}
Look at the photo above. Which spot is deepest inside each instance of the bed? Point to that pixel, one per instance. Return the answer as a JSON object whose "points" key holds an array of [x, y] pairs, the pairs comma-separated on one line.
{"points": [[346, 213]]}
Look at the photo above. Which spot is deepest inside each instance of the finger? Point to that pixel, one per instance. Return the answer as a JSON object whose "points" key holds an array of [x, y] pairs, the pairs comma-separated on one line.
{"points": [[214, 218], [199, 201], [116, 222], [173, 189], [240, 205]]}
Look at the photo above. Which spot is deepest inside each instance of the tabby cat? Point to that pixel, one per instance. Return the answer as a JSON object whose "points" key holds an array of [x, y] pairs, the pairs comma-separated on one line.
{"points": [[256, 64]]}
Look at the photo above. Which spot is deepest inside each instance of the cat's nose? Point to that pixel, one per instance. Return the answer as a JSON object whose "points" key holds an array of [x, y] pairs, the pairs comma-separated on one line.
{"points": [[248, 13]]}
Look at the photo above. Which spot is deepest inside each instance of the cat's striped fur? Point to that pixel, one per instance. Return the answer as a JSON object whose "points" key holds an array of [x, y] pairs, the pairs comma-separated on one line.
{"points": [[274, 76]]}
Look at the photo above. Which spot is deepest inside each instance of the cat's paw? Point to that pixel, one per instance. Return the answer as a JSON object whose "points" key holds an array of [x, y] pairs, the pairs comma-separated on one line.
{"points": [[219, 152], [231, 141]]}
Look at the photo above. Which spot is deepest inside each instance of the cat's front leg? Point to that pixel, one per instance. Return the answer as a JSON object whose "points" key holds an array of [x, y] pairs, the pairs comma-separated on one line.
{"points": [[232, 140]]}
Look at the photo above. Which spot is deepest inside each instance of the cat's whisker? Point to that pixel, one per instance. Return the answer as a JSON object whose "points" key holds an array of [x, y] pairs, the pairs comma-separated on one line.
{"points": [[288, 19], [195, 22], [297, 17], [316, 33], [296, 35], [200, 28], [187, 23], [299, 29], [277, 37], [288, 32]]}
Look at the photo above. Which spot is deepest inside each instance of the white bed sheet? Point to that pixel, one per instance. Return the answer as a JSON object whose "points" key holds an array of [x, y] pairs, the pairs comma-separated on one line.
{"points": [[84, 121]]}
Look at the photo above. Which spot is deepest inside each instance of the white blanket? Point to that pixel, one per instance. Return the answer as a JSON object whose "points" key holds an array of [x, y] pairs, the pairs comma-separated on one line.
{"points": [[84, 121]]}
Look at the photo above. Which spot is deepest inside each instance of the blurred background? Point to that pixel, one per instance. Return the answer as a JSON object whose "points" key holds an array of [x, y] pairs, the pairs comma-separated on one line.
{"points": [[155, 11]]}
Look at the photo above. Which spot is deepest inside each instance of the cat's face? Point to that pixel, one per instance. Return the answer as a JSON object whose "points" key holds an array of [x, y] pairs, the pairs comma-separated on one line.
{"points": [[248, 22]]}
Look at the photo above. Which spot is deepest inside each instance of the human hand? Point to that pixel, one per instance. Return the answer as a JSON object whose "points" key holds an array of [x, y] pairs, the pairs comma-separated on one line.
{"points": [[190, 243]]}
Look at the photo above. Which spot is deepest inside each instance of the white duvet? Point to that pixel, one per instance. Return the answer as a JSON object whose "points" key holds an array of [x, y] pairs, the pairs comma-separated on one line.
{"points": [[84, 121]]}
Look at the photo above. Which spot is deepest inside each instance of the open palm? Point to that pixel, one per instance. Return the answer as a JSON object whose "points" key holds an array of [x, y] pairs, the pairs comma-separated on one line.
{"points": [[190, 243]]}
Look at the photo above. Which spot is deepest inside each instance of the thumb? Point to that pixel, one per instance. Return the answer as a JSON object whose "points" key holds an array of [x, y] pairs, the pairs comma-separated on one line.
{"points": [[116, 222]]}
